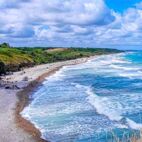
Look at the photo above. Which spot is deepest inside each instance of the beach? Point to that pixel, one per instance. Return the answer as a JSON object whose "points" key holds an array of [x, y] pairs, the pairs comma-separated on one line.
{"points": [[16, 89], [71, 71], [14, 96]]}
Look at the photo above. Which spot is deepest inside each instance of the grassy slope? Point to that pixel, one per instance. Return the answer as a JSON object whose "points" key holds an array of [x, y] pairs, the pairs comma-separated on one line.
{"points": [[13, 59]]}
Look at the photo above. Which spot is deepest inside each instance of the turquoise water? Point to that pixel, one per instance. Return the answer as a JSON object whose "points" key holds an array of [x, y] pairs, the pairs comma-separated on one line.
{"points": [[96, 101]]}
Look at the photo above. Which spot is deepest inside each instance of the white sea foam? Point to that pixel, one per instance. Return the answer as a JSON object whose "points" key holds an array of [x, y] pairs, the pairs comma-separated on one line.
{"points": [[133, 124], [103, 106], [58, 75], [131, 75], [116, 65], [124, 67]]}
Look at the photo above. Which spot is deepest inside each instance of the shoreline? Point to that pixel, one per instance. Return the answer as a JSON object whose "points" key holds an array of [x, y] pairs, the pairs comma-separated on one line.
{"points": [[23, 97], [21, 129], [30, 133]]}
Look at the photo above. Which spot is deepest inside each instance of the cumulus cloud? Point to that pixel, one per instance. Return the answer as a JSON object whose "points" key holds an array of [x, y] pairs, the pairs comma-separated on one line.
{"points": [[127, 28], [68, 23]]}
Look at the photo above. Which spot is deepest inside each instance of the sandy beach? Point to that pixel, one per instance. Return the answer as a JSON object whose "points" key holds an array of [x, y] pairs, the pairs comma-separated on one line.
{"points": [[13, 99], [14, 96]]}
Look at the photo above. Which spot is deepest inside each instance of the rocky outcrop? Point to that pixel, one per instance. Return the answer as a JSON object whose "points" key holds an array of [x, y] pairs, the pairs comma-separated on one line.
{"points": [[7, 69]]}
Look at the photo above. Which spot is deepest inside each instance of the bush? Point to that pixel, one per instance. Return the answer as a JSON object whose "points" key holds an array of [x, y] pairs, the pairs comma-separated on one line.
{"points": [[4, 45], [2, 68]]}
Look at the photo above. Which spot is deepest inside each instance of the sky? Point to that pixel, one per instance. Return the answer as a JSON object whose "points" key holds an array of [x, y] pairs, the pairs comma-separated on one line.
{"points": [[72, 23]]}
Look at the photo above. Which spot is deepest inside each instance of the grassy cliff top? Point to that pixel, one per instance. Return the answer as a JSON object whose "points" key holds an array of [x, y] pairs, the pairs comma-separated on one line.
{"points": [[12, 59]]}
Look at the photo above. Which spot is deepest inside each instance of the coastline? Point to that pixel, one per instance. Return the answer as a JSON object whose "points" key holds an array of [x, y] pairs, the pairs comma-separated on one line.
{"points": [[23, 97], [13, 101], [30, 133]]}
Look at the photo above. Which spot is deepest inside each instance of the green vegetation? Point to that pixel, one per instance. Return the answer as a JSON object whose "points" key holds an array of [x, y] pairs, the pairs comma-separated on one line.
{"points": [[5, 45], [13, 59]]}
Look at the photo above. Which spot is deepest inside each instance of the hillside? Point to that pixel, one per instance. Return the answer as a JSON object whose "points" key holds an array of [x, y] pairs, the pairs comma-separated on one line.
{"points": [[14, 59]]}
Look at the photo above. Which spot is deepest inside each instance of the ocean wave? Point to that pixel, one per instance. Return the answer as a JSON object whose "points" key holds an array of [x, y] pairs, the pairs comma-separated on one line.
{"points": [[58, 75], [103, 105], [78, 99], [100, 103], [133, 125], [125, 68]]}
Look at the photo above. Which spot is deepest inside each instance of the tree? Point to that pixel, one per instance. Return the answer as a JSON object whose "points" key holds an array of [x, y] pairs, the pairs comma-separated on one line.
{"points": [[5, 45]]}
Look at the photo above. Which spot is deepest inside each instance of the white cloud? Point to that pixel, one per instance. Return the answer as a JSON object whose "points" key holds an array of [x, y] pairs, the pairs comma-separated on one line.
{"points": [[69, 22], [37, 14], [125, 30]]}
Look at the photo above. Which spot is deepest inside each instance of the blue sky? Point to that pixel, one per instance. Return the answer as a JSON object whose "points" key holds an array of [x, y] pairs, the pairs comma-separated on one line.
{"points": [[121, 5], [72, 23]]}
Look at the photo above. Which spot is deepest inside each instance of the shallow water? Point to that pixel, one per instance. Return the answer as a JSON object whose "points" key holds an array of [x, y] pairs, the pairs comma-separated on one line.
{"points": [[96, 101]]}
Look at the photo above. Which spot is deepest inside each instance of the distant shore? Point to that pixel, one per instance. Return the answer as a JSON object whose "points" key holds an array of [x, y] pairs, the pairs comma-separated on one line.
{"points": [[26, 81]]}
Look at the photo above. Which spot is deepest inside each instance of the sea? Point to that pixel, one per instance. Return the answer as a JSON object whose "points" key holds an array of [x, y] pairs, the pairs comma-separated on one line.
{"points": [[96, 101]]}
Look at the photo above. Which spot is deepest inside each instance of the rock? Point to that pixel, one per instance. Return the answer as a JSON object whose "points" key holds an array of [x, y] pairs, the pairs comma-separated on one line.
{"points": [[7, 87], [2, 83], [11, 86], [25, 78], [16, 87], [23, 72]]}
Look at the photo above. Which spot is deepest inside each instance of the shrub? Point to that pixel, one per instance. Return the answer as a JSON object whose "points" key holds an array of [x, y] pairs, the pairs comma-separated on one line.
{"points": [[2, 68], [5, 45]]}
